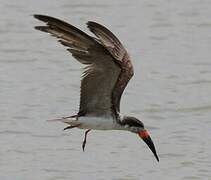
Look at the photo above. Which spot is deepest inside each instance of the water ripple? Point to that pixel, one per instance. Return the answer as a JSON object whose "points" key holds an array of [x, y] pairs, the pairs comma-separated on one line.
{"points": [[15, 132], [206, 108]]}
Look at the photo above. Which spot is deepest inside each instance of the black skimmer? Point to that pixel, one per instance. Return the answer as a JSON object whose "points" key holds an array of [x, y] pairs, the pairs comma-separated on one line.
{"points": [[107, 72]]}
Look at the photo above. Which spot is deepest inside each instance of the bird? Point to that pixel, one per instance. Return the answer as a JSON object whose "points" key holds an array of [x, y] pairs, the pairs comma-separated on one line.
{"points": [[107, 71]]}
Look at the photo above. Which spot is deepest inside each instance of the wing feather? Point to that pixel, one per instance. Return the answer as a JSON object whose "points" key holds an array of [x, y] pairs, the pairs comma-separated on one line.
{"points": [[120, 55], [101, 72]]}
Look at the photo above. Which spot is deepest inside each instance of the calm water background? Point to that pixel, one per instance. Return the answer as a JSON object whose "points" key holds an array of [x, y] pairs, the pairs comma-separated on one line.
{"points": [[170, 44]]}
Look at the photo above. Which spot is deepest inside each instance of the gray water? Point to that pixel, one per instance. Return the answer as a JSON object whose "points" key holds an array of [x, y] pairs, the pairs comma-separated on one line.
{"points": [[170, 45]]}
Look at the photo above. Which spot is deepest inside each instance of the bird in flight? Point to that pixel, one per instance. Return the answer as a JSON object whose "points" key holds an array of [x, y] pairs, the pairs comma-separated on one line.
{"points": [[107, 71]]}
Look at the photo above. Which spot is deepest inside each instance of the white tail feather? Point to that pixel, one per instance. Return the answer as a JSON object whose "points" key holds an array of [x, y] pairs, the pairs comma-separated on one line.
{"points": [[69, 120]]}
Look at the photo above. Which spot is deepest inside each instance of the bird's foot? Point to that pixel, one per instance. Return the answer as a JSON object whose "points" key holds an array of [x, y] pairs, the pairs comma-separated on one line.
{"points": [[84, 142], [71, 126]]}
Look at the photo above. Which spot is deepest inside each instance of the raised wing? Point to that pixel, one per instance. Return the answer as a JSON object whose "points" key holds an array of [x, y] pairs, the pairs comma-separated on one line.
{"points": [[101, 71], [121, 57]]}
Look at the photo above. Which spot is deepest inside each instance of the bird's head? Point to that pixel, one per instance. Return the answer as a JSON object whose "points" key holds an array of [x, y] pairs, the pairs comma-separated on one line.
{"points": [[136, 126]]}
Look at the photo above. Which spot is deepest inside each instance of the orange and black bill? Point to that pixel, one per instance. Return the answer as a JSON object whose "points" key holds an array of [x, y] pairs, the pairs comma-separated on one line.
{"points": [[147, 139]]}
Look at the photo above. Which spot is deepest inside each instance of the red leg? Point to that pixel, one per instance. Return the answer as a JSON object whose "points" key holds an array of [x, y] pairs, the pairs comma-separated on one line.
{"points": [[84, 142]]}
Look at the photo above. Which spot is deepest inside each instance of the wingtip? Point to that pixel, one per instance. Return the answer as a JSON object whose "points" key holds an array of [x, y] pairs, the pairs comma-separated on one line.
{"points": [[42, 17], [91, 24], [37, 16], [41, 28], [88, 23]]}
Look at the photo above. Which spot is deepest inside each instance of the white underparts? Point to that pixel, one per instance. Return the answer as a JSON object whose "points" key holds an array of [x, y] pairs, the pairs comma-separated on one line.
{"points": [[97, 123]]}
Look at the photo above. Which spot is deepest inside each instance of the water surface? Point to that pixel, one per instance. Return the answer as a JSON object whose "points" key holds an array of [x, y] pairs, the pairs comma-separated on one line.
{"points": [[169, 42]]}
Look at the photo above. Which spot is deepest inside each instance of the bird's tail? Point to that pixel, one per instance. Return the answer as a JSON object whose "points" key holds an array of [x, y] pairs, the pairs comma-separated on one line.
{"points": [[71, 120]]}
